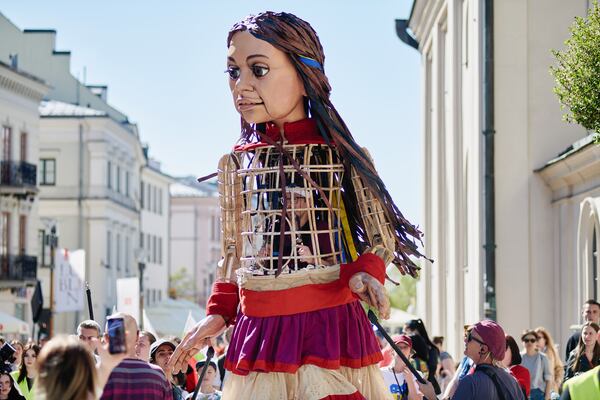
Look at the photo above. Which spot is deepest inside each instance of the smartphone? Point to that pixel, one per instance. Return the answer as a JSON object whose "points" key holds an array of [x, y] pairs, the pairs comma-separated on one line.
{"points": [[6, 353], [116, 336]]}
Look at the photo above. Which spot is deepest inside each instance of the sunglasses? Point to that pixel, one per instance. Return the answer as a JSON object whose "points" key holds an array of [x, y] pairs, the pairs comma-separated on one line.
{"points": [[471, 337], [530, 340]]}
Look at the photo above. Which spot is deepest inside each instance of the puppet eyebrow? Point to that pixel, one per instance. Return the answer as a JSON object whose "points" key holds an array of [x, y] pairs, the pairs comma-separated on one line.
{"points": [[256, 55], [251, 56]]}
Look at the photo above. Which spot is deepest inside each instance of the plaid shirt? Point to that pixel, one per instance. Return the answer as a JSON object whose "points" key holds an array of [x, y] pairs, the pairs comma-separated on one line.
{"points": [[136, 379]]}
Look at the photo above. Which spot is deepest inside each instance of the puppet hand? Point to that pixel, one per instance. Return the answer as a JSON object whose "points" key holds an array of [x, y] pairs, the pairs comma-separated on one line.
{"points": [[372, 292], [305, 254], [194, 341]]}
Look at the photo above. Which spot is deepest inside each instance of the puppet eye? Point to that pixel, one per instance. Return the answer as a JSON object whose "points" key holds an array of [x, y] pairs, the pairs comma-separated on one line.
{"points": [[259, 71], [233, 72]]}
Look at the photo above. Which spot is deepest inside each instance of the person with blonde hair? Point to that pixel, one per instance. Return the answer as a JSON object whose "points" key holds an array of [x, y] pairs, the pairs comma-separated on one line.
{"points": [[546, 345], [66, 371]]}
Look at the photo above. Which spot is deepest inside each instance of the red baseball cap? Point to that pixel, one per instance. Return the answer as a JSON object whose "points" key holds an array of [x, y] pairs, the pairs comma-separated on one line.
{"points": [[402, 339]]}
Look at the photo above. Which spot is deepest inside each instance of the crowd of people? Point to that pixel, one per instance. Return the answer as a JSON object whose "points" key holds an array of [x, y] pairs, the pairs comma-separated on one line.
{"points": [[81, 366], [494, 367]]}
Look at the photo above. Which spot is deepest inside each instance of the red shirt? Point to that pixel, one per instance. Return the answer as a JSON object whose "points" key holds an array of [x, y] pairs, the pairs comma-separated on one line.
{"points": [[522, 376]]}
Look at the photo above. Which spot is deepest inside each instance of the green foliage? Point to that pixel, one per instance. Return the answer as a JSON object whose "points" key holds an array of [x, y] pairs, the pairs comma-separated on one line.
{"points": [[403, 295], [577, 72], [181, 285]]}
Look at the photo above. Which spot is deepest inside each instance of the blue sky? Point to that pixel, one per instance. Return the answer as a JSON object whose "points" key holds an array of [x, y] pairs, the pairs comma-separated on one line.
{"points": [[163, 63]]}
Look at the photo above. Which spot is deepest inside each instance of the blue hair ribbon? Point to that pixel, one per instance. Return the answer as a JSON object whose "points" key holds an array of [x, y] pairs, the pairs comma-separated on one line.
{"points": [[311, 62]]}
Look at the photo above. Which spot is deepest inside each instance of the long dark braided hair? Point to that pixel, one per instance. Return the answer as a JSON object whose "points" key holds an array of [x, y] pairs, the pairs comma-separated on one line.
{"points": [[300, 42]]}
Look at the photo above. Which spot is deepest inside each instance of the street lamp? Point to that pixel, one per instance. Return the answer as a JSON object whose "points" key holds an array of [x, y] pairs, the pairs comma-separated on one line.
{"points": [[53, 242]]}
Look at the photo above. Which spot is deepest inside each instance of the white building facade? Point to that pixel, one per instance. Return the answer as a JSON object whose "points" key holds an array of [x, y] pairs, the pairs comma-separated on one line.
{"points": [[20, 96], [195, 234], [536, 279], [155, 231], [92, 169]]}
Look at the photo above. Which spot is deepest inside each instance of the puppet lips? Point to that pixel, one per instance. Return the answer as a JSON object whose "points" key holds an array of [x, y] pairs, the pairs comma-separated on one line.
{"points": [[244, 106]]}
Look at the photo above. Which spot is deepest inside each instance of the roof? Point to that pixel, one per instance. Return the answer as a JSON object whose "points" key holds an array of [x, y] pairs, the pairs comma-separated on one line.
{"points": [[55, 108], [182, 190], [572, 149], [23, 73]]}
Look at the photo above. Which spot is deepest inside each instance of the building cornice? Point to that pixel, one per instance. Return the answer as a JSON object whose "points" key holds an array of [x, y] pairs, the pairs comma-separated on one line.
{"points": [[423, 16], [574, 172], [22, 83]]}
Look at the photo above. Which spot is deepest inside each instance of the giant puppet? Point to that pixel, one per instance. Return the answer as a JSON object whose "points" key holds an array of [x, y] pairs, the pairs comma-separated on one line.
{"points": [[307, 230]]}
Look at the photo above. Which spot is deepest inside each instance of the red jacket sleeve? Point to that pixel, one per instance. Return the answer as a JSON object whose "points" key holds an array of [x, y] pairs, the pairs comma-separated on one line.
{"points": [[224, 301], [369, 263]]}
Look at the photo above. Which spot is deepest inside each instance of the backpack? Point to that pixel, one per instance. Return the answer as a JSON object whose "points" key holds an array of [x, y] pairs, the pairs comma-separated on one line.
{"points": [[490, 371]]}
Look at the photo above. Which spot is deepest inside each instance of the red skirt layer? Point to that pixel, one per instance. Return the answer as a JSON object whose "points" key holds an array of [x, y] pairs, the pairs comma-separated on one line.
{"points": [[329, 338]]}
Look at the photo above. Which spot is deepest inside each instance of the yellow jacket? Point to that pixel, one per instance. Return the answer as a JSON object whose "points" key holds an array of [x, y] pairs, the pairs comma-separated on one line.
{"points": [[22, 386]]}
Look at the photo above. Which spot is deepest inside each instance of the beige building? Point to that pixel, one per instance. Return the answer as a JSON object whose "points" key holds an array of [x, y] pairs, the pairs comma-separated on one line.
{"points": [[510, 226], [20, 95], [195, 234]]}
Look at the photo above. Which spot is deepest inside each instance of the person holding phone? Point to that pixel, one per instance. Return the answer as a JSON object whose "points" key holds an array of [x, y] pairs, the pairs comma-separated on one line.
{"points": [[132, 378]]}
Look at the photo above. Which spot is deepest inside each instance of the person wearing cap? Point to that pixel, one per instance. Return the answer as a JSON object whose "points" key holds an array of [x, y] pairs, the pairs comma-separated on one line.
{"points": [[160, 352], [401, 383], [485, 345], [207, 390]]}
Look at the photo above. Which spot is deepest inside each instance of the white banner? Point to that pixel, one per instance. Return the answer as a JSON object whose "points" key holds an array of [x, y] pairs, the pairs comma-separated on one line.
{"points": [[69, 275], [128, 297]]}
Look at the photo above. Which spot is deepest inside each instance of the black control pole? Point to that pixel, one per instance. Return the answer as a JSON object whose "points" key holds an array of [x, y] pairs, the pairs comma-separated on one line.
{"points": [[209, 355], [374, 321]]}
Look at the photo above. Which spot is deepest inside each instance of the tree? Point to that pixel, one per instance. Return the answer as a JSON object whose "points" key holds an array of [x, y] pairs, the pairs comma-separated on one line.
{"points": [[577, 74], [181, 285], [404, 294]]}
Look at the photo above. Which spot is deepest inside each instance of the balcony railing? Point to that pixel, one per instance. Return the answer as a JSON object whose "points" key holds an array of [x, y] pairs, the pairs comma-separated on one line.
{"points": [[17, 173], [18, 269]]}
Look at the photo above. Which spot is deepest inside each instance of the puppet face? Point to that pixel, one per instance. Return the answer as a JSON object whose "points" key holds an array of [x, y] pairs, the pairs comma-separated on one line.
{"points": [[264, 84]]}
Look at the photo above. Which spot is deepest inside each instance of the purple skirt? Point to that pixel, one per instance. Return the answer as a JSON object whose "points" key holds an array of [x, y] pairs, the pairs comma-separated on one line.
{"points": [[328, 338]]}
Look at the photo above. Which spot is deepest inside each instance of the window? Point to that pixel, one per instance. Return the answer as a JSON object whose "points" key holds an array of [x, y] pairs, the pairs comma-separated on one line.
{"points": [[149, 248], [148, 202], [142, 198], [127, 183], [160, 203], [127, 249], [23, 146], [153, 198], [22, 234], [109, 175], [4, 233], [160, 250], [6, 143], [108, 249], [118, 185], [41, 247], [47, 171], [118, 262], [154, 249], [141, 240]]}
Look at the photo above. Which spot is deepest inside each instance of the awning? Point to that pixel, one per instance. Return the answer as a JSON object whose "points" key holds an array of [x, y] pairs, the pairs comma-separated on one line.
{"points": [[168, 318], [10, 324]]}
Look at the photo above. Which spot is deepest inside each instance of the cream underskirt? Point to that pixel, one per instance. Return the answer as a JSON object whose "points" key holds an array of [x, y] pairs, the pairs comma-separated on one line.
{"points": [[308, 383]]}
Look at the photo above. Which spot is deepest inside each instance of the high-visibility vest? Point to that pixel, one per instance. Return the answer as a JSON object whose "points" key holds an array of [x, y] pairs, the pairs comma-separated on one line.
{"points": [[585, 386]]}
